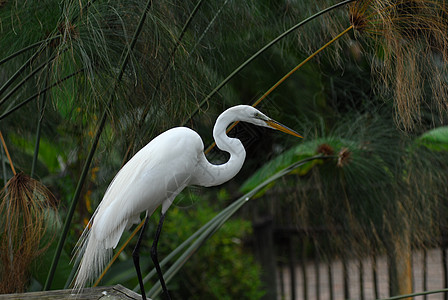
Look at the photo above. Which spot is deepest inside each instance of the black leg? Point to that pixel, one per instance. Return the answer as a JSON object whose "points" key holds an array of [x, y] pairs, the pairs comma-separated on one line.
{"points": [[136, 257], [154, 257]]}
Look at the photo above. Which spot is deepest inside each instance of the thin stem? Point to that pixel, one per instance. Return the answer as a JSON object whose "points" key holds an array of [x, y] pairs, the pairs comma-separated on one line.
{"points": [[24, 66], [17, 53], [3, 166], [210, 24], [38, 132], [267, 46], [93, 149], [17, 74], [173, 51], [38, 94], [184, 29], [301, 64], [23, 81], [7, 153]]}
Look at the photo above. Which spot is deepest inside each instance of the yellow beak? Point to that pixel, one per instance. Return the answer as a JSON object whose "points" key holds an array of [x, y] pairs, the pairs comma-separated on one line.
{"points": [[276, 125]]}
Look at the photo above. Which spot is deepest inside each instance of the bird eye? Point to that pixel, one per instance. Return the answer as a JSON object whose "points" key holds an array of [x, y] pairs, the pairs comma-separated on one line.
{"points": [[256, 115]]}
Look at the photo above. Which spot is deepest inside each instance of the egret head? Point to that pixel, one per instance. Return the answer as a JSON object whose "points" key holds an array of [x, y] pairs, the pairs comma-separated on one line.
{"points": [[252, 115]]}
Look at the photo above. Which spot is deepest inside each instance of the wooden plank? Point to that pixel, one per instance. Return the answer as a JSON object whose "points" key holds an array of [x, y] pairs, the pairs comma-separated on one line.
{"points": [[116, 292]]}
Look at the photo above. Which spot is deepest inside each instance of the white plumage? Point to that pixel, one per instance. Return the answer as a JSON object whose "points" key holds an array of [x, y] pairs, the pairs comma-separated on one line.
{"points": [[142, 178], [153, 177]]}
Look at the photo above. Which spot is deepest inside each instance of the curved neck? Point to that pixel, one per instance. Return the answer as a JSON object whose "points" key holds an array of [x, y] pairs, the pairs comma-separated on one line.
{"points": [[209, 174]]}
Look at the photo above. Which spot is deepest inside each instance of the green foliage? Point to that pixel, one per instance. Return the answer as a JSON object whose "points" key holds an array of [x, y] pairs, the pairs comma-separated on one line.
{"points": [[435, 140], [221, 269]]}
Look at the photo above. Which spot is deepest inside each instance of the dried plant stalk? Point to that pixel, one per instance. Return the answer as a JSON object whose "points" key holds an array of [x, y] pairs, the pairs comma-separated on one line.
{"points": [[25, 214]]}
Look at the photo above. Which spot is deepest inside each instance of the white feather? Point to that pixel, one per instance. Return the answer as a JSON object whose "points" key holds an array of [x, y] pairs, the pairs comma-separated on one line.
{"points": [[136, 188]]}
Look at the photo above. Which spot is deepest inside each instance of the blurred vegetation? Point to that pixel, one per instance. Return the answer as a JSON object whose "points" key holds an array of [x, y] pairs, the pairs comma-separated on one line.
{"points": [[373, 103]]}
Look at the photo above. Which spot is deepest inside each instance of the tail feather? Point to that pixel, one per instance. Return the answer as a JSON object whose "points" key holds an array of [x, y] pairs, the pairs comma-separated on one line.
{"points": [[95, 246], [93, 257]]}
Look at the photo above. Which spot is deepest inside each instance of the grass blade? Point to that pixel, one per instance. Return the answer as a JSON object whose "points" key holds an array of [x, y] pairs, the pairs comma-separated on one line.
{"points": [[17, 53], [5, 114]]}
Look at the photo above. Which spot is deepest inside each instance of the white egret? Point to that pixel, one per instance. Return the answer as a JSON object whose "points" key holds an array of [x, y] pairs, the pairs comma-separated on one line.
{"points": [[153, 177]]}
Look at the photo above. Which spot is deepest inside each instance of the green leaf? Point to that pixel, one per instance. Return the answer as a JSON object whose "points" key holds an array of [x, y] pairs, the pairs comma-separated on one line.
{"points": [[288, 158], [435, 139]]}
